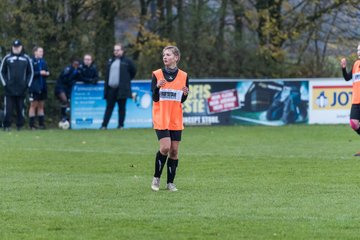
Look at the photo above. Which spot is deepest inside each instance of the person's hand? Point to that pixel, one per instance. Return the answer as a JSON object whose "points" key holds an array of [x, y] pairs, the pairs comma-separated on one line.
{"points": [[44, 73], [161, 83], [343, 63], [185, 90]]}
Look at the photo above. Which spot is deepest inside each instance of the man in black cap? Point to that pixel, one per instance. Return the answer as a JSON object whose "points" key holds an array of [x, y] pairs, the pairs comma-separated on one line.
{"points": [[16, 73]]}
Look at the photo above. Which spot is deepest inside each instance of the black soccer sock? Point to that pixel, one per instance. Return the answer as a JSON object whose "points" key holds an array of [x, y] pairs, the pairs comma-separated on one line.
{"points": [[32, 122], [357, 131], [41, 120], [63, 113], [160, 161], [171, 169]]}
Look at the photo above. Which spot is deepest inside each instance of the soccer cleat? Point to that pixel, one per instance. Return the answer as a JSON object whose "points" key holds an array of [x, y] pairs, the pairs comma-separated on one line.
{"points": [[155, 185], [41, 127], [171, 187], [357, 154]]}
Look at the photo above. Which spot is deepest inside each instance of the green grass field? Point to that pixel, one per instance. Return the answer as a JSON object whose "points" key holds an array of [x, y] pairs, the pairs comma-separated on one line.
{"points": [[293, 182]]}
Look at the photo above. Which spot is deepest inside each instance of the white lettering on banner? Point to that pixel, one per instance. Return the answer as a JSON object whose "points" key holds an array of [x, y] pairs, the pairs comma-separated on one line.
{"points": [[212, 103], [209, 120], [228, 94], [170, 95], [229, 105], [87, 88], [216, 97], [223, 101], [192, 120], [218, 107], [201, 120], [227, 100]]}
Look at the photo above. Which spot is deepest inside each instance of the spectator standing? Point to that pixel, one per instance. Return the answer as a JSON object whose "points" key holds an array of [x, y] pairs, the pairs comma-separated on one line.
{"points": [[38, 89], [117, 87], [16, 76], [88, 70]]}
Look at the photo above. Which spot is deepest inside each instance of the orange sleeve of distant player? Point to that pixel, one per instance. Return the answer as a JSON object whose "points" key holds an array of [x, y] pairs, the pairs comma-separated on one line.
{"points": [[356, 83]]}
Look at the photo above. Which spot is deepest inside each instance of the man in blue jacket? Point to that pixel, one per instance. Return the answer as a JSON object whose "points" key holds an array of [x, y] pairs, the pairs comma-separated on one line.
{"points": [[38, 89]]}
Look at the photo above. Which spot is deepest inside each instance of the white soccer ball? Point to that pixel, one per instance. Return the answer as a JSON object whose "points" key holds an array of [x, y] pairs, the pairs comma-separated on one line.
{"points": [[64, 124], [146, 100]]}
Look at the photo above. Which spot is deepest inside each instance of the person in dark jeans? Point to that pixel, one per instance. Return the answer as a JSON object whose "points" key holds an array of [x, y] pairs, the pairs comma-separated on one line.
{"points": [[16, 73], [117, 86]]}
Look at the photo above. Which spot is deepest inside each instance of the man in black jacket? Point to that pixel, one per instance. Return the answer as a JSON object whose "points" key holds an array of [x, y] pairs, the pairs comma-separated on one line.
{"points": [[16, 74], [117, 88]]}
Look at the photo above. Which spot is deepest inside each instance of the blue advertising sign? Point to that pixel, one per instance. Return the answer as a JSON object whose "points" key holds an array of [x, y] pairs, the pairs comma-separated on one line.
{"points": [[88, 107]]}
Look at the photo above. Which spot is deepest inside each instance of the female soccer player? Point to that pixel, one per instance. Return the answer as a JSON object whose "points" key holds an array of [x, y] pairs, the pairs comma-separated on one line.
{"points": [[38, 89], [170, 88], [354, 74]]}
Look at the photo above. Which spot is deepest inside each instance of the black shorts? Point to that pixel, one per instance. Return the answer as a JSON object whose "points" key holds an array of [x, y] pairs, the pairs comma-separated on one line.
{"points": [[355, 111], [38, 96], [59, 89], [174, 135]]}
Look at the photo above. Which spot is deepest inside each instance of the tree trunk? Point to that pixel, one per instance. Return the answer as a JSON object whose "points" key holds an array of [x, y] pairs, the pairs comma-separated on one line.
{"points": [[180, 30], [270, 22], [220, 38], [238, 11], [161, 17], [169, 18], [105, 37]]}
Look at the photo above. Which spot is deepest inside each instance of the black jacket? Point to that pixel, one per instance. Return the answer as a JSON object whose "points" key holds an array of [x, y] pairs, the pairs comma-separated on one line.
{"points": [[127, 73], [347, 75], [38, 84], [88, 74], [16, 72], [68, 77]]}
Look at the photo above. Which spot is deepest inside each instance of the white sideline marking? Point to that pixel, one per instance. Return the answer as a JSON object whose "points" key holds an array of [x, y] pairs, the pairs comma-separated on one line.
{"points": [[83, 150], [267, 123]]}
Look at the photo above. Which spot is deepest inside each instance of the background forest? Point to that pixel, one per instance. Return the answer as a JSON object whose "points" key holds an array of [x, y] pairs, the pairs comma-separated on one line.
{"points": [[218, 38]]}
